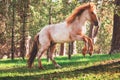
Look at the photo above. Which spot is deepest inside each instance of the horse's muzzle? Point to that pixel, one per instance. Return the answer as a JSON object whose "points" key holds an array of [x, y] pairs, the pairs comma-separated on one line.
{"points": [[96, 23]]}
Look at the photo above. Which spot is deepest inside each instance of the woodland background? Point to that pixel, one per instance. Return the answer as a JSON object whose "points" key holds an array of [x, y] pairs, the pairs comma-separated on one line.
{"points": [[20, 20]]}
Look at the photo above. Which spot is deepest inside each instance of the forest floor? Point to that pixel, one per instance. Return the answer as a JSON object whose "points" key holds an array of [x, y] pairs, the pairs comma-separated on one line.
{"points": [[96, 67]]}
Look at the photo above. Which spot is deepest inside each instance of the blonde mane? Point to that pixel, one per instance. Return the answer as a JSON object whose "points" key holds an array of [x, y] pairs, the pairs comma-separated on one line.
{"points": [[78, 11]]}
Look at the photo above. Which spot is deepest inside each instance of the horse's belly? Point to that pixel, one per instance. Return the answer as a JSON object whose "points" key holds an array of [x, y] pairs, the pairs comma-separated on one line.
{"points": [[61, 37]]}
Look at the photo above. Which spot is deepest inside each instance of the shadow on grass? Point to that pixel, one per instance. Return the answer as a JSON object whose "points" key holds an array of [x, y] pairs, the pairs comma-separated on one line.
{"points": [[110, 67], [49, 66], [63, 61]]}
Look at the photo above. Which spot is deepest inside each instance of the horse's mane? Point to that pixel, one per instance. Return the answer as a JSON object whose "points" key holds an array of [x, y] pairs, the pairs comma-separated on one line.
{"points": [[78, 11]]}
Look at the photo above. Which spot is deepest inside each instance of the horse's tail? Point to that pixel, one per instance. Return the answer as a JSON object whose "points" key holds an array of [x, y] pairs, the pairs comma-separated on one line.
{"points": [[33, 51]]}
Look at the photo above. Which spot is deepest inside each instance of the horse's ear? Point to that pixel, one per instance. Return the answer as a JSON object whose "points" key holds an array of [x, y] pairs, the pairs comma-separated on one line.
{"points": [[91, 5]]}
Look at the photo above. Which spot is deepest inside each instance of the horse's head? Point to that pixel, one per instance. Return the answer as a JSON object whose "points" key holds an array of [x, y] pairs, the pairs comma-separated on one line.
{"points": [[88, 11], [91, 14]]}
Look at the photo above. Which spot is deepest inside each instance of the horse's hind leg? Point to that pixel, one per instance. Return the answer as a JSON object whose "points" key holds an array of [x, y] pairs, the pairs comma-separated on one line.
{"points": [[52, 48], [42, 50]]}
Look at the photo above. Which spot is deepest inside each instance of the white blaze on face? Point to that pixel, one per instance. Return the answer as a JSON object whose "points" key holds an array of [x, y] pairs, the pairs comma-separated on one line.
{"points": [[94, 11], [94, 40]]}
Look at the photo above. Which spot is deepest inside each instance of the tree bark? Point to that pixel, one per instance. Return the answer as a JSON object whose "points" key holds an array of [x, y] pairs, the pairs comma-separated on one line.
{"points": [[24, 10], [62, 49], [74, 47], [115, 45], [50, 21], [4, 5], [13, 27], [70, 50]]}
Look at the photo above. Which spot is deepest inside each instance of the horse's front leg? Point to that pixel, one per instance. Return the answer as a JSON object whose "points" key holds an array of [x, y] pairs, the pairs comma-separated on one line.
{"points": [[86, 47], [90, 45], [88, 41], [85, 39]]}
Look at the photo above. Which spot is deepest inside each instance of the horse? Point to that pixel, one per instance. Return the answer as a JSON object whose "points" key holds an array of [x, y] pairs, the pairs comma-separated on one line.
{"points": [[72, 29]]}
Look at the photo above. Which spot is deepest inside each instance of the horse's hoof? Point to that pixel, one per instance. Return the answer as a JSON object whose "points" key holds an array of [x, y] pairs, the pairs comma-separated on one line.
{"points": [[84, 56], [57, 66], [30, 66], [84, 52], [90, 53], [40, 67]]}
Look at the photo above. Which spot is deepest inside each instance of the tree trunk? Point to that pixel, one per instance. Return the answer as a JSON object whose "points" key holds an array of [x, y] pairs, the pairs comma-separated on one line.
{"points": [[62, 49], [50, 21], [24, 18], [70, 50], [74, 47], [27, 45], [13, 25], [4, 5], [115, 46]]}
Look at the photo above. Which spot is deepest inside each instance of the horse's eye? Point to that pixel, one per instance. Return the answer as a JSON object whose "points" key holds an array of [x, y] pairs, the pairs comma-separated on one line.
{"points": [[92, 13]]}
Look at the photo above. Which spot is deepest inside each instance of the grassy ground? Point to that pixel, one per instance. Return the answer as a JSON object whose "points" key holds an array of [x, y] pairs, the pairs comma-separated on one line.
{"points": [[97, 67]]}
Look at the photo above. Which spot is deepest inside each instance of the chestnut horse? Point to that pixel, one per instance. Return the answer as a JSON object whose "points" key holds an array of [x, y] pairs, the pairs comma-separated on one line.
{"points": [[70, 30]]}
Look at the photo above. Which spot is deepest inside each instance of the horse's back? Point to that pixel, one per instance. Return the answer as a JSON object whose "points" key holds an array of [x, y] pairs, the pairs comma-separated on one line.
{"points": [[58, 33]]}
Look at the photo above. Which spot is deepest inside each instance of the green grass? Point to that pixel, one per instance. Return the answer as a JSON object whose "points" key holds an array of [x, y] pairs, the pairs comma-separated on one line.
{"points": [[97, 67]]}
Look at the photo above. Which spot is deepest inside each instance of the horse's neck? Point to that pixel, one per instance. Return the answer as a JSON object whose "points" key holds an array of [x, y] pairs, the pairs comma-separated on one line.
{"points": [[79, 23]]}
